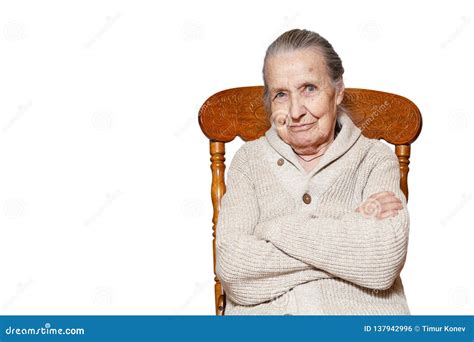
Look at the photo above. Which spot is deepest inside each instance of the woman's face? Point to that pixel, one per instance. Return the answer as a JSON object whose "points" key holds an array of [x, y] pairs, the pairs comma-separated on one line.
{"points": [[302, 99]]}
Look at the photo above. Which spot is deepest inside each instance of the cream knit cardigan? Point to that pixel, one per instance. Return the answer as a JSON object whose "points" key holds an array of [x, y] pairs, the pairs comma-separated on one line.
{"points": [[279, 255]]}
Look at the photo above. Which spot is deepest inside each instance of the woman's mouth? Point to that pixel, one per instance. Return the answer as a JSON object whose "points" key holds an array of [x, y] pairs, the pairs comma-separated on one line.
{"points": [[303, 127]]}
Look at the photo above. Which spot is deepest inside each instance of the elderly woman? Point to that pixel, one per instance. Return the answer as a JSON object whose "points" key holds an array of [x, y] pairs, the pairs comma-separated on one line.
{"points": [[313, 220]]}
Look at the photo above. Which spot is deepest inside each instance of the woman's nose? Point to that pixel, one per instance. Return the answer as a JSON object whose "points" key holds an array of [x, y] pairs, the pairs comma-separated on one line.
{"points": [[297, 108]]}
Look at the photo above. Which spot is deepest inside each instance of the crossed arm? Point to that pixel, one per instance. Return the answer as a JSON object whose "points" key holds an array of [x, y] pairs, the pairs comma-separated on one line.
{"points": [[251, 269], [257, 262]]}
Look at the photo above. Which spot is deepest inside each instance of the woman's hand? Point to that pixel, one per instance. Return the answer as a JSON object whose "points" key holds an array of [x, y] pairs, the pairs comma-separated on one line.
{"points": [[381, 205]]}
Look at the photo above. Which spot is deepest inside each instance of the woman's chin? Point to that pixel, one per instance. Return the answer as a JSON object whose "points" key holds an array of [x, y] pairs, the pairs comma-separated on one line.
{"points": [[301, 146], [303, 139]]}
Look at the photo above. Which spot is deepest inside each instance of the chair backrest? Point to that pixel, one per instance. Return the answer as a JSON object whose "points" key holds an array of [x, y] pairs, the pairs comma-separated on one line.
{"points": [[240, 112]]}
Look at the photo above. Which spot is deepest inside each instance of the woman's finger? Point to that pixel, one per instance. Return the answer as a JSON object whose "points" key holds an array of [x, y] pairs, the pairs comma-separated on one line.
{"points": [[389, 199], [390, 213], [391, 206]]}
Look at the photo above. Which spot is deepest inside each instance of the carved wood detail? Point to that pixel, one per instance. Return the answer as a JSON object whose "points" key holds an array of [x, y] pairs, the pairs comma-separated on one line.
{"points": [[240, 112]]}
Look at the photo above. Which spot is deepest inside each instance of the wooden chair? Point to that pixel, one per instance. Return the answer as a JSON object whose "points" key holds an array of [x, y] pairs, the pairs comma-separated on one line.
{"points": [[240, 112]]}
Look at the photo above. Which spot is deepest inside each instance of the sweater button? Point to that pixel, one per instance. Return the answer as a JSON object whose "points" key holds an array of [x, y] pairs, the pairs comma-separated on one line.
{"points": [[280, 161], [307, 198]]}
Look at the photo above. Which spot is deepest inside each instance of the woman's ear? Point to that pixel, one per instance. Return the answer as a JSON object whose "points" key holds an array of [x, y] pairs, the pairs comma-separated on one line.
{"points": [[340, 93]]}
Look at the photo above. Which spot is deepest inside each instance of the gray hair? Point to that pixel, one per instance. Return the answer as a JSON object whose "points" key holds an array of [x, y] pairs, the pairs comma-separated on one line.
{"points": [[303, 39]]}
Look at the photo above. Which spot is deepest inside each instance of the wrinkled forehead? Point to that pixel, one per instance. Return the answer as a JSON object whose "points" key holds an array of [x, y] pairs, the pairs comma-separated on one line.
{"points": [[295, 66]]}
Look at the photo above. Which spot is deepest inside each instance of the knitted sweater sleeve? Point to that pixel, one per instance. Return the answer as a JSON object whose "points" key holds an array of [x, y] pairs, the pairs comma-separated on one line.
{"points": [[250, 269], [363, 250]]}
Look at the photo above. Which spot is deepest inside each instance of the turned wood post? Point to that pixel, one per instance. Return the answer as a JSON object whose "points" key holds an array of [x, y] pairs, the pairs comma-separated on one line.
{"points": [[217, 150], [403, 154]]}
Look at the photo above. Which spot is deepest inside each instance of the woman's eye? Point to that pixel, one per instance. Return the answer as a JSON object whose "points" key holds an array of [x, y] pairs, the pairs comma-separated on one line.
{"points": [[310, 88], [279, 95]]}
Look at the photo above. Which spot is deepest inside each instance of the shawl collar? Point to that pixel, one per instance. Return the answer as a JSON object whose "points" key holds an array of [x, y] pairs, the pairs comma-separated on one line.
{"points": [[345, 139]]}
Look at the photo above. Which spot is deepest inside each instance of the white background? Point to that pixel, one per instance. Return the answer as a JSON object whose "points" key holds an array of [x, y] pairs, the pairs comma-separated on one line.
{"points": [[104, 173]]}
